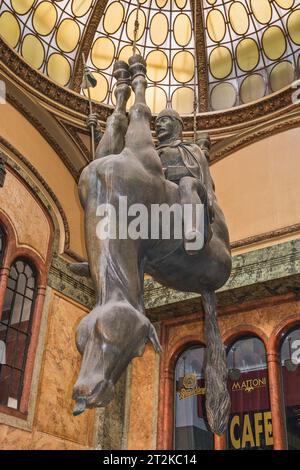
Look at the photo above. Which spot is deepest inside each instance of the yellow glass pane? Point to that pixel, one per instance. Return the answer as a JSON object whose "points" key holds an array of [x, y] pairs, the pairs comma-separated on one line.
{"points": [[130, 24], [182, 29], [181, 3], [253, 88], [113, 17], [293, 25], [103, 52], [100, 91], [59, 69], [156, 99], [239, 19], [211, 2], [282, 75], [33, 51], [81, 7], [262, 10], [22, 6], [67, 35], [159, 29], [44, 18], [220, 62], [286, 4], [247, 54], [183, 66], [274, 43], [215, 24], [183, 100], [9, 28], [223, 96], [157, 66], [126, 52], [161, 3]]}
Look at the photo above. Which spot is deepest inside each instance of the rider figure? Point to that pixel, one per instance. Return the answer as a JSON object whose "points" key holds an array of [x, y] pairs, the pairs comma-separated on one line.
{"points": [[185, 159]]}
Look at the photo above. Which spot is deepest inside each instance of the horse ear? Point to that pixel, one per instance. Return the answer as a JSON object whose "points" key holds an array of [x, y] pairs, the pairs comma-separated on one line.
{"points": [[154, 339]]}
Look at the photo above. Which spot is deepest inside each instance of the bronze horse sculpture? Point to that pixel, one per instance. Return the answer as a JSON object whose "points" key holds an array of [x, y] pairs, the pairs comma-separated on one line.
{"points": [[117, 330]]}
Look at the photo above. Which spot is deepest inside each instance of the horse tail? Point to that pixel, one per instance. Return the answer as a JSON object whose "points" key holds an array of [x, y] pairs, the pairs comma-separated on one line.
{"points": [[217, 399]]}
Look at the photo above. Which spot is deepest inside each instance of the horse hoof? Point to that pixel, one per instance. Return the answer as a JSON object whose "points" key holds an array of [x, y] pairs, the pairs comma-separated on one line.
{"points": [[137, 66]]}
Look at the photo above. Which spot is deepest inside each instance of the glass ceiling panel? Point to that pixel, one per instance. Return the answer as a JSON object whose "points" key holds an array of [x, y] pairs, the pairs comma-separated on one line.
{"points": [[165, 39], [252, 47]]}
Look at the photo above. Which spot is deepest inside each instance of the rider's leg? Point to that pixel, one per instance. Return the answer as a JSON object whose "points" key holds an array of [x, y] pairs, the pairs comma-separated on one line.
{"points": [[197, 229], [113, 140]]}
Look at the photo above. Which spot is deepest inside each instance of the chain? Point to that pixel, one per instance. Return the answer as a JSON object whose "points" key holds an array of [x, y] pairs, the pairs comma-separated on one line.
{"points": [[136, 28], [195, 104]]}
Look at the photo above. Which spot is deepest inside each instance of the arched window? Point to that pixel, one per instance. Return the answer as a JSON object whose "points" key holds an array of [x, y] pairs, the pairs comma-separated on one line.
{"points": [[250, 423], [15, 331], [191, 431], [290, 368]]}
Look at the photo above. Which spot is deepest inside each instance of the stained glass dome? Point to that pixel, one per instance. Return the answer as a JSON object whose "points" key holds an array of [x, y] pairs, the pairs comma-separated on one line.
{"points": [[236, 52]]}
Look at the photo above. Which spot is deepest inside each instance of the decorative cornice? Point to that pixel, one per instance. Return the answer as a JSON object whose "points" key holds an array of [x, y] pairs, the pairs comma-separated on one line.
{"points": [[274, 270], [290, 230], [86, 43], [75, 106], [44, 132], [3, 160], [72, 131]]}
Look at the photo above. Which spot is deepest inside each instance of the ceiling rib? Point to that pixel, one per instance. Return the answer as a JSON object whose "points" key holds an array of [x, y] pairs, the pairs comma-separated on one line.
{"points": [[86, 44], [201, 59]]}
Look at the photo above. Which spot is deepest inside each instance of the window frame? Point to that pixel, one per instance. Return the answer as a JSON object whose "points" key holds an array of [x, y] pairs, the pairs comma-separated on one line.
{"points": [[13, 252]]}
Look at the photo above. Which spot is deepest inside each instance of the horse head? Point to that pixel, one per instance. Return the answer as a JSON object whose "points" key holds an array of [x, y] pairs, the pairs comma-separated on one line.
{"points": [[108, 338]]}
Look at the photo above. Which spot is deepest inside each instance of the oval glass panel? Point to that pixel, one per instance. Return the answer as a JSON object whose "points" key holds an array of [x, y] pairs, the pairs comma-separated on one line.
{"points": [[9, 28], [59, 69], [274, 42], [282, 75], [253, 88], [293, 25], [183, 66], [98, 93], [220, 62], [33, 51], [157, 66], [285, 4], [67, 35], [130, 25], [223, 96], [239, 19], [211, 2], [182, 29], [159, 29], [247, 54], [262, 10], [113, 17], [21, 6], [215, 24], [44, 18], [103, 52], [81, 7], [181, 3], [156, 99], [161, 3], [183, 100]]}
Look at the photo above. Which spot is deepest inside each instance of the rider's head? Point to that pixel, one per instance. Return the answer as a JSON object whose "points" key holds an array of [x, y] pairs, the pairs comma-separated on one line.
{"points": [[168, 126]]}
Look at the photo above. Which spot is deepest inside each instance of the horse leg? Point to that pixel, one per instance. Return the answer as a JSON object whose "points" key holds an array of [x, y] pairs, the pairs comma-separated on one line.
{"points": [[217, 400], [113, 140]]}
